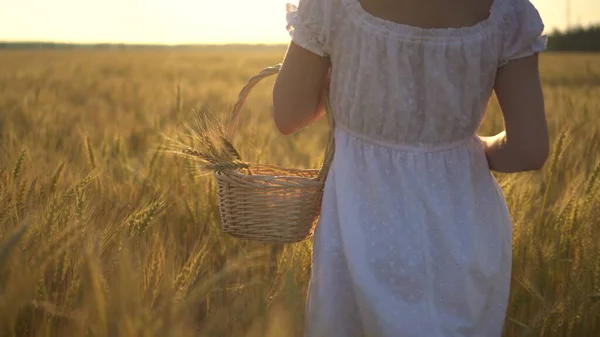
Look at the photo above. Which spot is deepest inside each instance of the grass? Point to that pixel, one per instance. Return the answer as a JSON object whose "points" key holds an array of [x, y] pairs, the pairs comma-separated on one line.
{"points": [[103, 234]]}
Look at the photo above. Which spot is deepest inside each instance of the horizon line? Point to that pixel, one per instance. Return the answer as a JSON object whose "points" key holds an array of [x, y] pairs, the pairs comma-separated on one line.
{"points": [[31, 42], [15, 42]]}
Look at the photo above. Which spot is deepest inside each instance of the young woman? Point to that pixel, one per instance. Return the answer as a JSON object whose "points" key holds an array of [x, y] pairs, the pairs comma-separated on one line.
{"points": [[415, 236]]}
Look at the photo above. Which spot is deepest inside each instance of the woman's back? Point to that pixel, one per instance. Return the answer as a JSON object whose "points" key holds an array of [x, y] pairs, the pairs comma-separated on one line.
{"points": [[431, 13], [414, 83], [414, 237]]}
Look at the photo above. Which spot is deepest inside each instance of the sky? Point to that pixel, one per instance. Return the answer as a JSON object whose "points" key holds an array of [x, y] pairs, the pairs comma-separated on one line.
{"points": [[189, 21]]}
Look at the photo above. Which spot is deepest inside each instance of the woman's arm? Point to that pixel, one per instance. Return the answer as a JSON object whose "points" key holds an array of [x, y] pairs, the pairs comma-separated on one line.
{"points": [[523, 146], [299, 91]]}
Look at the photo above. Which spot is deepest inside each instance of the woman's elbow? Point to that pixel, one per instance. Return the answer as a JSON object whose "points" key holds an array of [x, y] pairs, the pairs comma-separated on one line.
{"points": [[289, 114], [535, 158], [537, 161], [279, 111], [282, 125], [281, 119]]}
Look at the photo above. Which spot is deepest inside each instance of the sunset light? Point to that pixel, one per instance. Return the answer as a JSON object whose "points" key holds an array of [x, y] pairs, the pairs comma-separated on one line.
{"points": [[190, 21]]}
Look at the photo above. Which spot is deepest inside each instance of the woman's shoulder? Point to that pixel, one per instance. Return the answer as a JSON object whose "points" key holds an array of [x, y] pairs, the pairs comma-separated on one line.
{"points": [[311, 22]]}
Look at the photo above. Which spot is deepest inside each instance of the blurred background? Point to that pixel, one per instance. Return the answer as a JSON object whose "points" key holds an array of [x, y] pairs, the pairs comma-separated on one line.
{"points": [[200, 21]]}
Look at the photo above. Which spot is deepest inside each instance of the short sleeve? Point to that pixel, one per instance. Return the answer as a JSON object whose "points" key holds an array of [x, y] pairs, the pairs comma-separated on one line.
{"points": [[307, 25], [523, 32]]}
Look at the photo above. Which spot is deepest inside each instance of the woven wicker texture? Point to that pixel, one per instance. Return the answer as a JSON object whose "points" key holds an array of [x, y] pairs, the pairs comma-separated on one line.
{"points": [[269, 203]]}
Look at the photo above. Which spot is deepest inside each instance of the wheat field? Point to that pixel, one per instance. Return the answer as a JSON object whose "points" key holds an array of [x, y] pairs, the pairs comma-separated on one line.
{"points": [[104, 234]]}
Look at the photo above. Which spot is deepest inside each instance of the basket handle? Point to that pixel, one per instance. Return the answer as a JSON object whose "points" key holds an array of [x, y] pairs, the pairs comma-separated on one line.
{"points": [[243, 95]]}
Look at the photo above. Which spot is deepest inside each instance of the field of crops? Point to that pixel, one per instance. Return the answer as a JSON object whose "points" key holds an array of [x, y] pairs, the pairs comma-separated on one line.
{"points": [[104, 234]]}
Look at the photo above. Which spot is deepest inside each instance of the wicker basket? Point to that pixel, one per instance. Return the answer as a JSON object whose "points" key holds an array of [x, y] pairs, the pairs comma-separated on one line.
{"points": [[269, 203]]}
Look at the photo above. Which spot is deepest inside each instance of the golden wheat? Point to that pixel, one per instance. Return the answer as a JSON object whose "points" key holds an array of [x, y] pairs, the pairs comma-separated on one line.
{"points": [[103, 233]]}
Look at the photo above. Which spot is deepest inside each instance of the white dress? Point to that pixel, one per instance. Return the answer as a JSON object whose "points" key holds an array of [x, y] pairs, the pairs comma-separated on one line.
{"points": [[415, 236]]}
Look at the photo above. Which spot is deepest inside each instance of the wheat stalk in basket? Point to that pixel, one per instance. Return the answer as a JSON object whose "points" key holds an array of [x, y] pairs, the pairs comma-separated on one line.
{"points": [[256, 201]]}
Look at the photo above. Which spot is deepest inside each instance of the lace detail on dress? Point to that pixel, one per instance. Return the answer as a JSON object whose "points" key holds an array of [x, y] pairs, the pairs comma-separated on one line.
{"points": [[523, 30], [305, 27], [406, 85], [414, 237]]}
